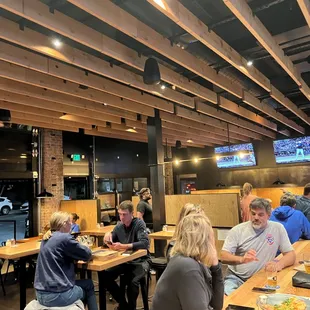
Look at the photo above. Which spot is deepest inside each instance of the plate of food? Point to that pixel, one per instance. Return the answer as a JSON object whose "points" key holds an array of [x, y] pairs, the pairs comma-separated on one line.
{"points": [[286, 302]]}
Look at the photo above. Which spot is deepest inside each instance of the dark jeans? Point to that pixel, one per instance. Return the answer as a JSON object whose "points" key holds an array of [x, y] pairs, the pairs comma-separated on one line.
{"points": [[133, 272], [83, 289]]}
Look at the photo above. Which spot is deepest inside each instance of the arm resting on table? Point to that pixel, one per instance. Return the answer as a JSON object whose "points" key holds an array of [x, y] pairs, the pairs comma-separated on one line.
{"points": [[288, 259]]}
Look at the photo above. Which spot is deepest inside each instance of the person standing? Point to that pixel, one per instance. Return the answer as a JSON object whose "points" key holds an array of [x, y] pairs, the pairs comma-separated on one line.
{"points": [[245, 201], [144, 209]]}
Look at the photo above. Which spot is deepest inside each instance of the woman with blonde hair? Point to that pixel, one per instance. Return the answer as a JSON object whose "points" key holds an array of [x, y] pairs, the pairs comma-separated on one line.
{"points": [[55, 282], [189, 208], [193, 278], [245, 201]]}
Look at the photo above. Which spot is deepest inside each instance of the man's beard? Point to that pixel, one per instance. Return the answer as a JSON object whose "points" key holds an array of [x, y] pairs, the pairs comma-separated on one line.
{"points": [[147, 198], [257, 225]]}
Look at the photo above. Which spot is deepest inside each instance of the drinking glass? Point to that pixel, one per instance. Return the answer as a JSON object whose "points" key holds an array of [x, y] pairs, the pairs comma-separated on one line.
{"points": [[307, 262], [271, 272]]}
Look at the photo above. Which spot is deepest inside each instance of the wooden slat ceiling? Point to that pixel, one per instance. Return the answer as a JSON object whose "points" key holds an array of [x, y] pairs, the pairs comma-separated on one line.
{"points": [[70, 87]]}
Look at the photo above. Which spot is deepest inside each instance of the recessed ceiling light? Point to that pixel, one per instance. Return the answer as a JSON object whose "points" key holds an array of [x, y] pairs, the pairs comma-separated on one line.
{"points": [[162, 87], [23, 156], [249, 63], [57, 43], [177, 162], [137, 155], [117, 157], [105, 104], [189, 141], [196, 160]]}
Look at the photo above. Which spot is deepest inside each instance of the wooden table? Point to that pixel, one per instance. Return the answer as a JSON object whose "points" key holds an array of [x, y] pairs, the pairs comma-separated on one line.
{"points": [[21, 251], [161, 235], [98, 232], [100, 266], [244, 296]]}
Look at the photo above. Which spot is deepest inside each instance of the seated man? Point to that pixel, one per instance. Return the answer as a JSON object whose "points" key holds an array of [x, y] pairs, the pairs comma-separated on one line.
{"points": [[303, 202], [129, 234], [251, 245], [294, 221]]}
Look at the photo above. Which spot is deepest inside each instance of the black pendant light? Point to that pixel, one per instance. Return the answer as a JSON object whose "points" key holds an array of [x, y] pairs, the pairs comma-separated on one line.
{"points": [[45, 195], [151, 74]]}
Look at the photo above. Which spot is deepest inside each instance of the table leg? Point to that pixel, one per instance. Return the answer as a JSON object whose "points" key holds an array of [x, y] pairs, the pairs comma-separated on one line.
{"points": [[102, 292], [22, 282]]}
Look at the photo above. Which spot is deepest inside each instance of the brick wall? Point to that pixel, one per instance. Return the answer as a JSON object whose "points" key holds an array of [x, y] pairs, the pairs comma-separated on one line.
{"points": [[52, 173]]}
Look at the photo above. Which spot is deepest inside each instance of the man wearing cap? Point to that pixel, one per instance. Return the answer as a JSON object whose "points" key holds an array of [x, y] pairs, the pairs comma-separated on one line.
{"points": [[144, 209]]}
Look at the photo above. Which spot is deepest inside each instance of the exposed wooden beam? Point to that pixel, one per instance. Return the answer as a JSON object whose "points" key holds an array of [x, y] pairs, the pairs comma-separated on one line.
{"points": [[305, 8], [219, 128], [112, 14], [48, 125], [48, 105], [174, 10], [53, 96], [42, 44], [202, 118], [244, 13]]}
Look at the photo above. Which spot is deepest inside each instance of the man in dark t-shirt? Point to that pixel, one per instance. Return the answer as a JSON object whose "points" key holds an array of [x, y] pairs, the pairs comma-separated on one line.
{"points": [[129, 234], [144, 209]]}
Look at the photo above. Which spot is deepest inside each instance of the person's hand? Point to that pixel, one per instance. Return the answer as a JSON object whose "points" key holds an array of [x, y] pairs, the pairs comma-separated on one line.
{"points": [[274, 265], [117, 246], [249, 256], [107, 237]]}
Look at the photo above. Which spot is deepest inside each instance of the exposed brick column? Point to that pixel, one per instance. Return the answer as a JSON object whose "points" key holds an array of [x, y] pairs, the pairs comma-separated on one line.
{"points": [[169, 187], [52, 173]]}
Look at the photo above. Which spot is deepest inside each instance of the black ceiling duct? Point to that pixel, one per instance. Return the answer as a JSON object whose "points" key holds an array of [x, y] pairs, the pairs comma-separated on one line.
{"points": [[5, 115], [151, 74]]}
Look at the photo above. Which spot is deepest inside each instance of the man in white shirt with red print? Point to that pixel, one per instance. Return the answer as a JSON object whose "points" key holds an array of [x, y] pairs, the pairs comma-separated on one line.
{"points": [[251, 245]]}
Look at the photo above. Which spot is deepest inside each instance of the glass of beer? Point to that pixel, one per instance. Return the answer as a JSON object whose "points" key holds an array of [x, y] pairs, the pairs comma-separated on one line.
{"points": [[272, 277], [307, 262]]}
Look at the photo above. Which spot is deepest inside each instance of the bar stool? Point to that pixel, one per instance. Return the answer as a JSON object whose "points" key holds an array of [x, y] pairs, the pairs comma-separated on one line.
{"points": [[159, 264]]}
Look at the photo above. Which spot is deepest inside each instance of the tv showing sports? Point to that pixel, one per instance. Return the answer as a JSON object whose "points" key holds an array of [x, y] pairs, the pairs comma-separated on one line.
{"points": [[233, 156], [291, 151]]}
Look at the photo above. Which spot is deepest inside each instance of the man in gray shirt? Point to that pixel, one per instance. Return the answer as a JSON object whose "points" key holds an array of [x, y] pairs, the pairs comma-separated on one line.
{"points": [[252, 245]]}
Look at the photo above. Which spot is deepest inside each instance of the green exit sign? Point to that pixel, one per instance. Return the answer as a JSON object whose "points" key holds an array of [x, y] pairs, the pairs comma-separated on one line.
{"points": [[76, 157]]}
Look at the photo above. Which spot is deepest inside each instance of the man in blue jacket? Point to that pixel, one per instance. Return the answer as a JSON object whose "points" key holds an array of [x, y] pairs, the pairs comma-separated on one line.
{"points": [[303, 202], [294, 221]]}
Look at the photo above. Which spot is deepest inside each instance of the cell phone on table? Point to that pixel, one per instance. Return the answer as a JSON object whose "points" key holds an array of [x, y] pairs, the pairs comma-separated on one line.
{"points": [[263, 289], [128, 252], [236, 307]]}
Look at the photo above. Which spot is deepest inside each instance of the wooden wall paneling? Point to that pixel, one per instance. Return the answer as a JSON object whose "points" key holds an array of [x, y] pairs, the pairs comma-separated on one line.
{"points": [[222, 210], [87, 210], [216, 191]]}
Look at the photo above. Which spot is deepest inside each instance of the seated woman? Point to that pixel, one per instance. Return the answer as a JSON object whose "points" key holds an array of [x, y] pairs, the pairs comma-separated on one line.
{"points": [[55, 282], [187, 283], [75, 228], [189, 208]]}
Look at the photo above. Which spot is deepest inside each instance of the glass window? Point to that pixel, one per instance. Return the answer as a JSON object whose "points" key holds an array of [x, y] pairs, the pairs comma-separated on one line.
{"points": [[105, 186], [139, 183]]}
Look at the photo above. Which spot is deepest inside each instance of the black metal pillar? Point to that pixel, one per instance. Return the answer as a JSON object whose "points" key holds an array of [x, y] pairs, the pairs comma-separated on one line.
{"points": [[156, 163]]}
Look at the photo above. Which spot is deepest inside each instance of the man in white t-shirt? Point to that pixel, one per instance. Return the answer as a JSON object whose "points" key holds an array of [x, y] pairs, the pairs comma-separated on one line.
{"points": [[252, 245]]}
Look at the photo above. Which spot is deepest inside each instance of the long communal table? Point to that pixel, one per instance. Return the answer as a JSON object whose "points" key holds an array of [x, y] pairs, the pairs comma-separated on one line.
{"points": [[23, 250], [244, 296]]}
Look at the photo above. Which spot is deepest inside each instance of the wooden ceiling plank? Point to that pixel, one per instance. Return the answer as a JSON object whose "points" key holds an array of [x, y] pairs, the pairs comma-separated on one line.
{"points": [[263, 107], [210, 125], [31, 77], [6, 54], [112, 14], [243, 12], [305, 8], [49, 95], [202, 118], [43, 125], [44, 118], [42, 44], [123, 21], [203, 108], [174, 10], [48, 105]]}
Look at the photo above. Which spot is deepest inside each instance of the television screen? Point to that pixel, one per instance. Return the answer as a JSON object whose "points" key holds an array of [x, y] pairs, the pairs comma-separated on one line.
{"points": [[238, 155], [290, 151]]}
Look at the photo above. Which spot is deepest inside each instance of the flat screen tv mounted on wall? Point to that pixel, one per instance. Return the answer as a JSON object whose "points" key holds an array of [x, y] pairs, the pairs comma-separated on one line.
{"points": [[234, 156], [290, 151]]}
